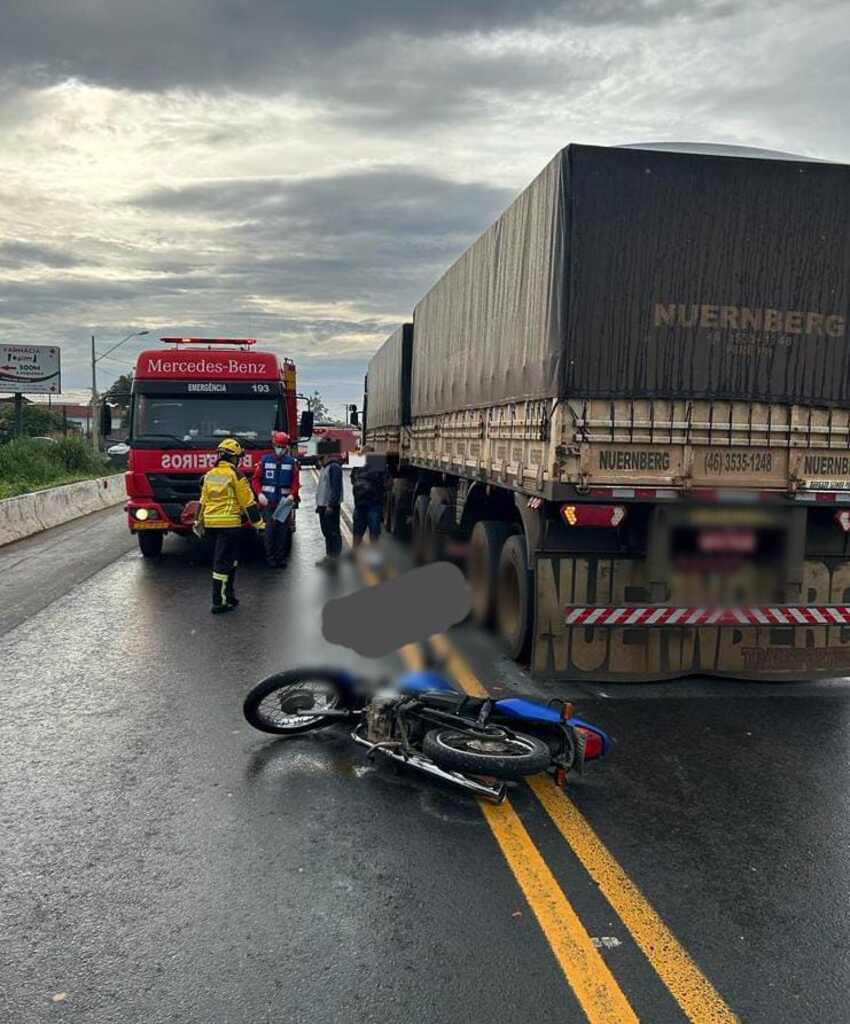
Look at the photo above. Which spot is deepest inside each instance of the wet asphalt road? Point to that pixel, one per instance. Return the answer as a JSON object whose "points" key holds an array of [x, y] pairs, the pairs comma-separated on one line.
{"points": [[160, 861]]}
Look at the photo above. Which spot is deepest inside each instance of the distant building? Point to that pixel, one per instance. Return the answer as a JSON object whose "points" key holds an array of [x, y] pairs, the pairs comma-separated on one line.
{"points": [[75, 407]]}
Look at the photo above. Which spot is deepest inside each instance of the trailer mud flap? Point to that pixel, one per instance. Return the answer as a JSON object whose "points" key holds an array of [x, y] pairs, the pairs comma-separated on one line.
{"points": [[628, 655]]}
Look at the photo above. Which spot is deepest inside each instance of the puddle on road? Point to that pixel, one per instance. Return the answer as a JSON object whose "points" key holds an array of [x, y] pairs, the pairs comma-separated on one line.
{"points": [[293, 758]]}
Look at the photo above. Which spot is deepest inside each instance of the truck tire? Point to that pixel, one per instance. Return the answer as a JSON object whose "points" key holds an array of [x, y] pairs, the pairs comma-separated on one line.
{"points": [[515, 603], [150, 543], [399, 524], [420, 528], [439, 524], [485, 547]]}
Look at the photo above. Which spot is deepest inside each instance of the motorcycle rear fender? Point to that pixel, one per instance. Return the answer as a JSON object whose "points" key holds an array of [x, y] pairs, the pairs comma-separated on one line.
{"points": [[531, 711]]}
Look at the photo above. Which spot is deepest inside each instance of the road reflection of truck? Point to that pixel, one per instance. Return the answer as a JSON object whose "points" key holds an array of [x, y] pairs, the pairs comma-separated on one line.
{"points": [[630, 400], [185, 400]]}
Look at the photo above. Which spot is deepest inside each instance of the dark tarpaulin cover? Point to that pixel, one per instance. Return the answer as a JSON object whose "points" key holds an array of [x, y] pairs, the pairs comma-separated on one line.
{"points": [[491, 330], [639, 273], [388, 377]]}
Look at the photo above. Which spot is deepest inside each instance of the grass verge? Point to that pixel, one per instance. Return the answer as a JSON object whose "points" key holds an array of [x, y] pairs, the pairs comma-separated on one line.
{"points": [[29, 464]]}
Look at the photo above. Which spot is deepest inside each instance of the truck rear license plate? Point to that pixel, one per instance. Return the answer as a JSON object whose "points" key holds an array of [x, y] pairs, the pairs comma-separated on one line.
{"points": [[727, 541]]}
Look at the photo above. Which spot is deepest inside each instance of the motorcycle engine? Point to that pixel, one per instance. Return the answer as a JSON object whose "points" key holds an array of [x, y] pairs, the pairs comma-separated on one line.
{"points": [[380, 717]]}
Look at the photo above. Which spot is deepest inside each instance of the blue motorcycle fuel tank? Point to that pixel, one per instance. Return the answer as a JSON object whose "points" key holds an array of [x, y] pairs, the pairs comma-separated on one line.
{"points": [[423, 681]]}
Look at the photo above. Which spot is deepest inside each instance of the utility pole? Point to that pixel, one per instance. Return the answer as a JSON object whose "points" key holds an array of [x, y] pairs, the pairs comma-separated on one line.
{"points": [[94, 430], [19, 414]]}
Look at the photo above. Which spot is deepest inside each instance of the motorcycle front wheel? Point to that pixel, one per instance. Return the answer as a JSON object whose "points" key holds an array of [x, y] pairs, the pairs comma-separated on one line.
{"points": [[500, 754], [278, 703]]}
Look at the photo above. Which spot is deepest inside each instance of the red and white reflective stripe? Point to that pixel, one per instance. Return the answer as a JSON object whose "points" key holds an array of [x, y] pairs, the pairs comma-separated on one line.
{"points": [[837, 497], [763, 615], [633, 492]]}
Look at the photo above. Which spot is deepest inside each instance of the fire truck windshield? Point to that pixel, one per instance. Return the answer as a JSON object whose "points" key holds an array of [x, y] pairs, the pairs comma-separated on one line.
{"points": [[159, 420]]}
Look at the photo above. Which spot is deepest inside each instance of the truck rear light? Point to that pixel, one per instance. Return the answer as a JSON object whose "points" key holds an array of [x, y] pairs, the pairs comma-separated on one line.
{"points": [[593, 515], [843, 519]]}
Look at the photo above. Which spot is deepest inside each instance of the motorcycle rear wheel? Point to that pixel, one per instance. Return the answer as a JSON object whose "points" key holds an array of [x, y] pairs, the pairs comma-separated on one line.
{"points": [[270, 706], [502, 755]]}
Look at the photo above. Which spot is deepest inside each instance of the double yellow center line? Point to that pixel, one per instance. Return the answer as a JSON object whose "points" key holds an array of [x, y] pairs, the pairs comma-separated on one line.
{"points": [[596, 989]]}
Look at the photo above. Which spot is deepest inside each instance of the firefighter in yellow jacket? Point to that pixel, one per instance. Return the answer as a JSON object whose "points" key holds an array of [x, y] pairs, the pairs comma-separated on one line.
{"points": [[226, 496]]}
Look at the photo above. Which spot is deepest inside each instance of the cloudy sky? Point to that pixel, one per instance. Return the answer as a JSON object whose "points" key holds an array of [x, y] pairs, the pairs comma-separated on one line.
{"points": [[302, 172]]}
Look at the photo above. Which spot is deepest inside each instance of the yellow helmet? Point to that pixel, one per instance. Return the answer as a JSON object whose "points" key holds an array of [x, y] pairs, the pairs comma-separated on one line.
{"points": [[229, 446]]}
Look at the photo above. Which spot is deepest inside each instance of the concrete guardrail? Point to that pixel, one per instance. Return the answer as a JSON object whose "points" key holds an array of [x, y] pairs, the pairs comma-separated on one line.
{"points": [[41, 510]]}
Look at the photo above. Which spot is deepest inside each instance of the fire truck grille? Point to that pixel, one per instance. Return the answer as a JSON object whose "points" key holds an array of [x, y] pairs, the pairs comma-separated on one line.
{"points": [[173, 490]]}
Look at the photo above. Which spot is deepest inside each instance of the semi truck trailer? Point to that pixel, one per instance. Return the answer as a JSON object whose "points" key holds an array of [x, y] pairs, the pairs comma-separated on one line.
{"points": [[628, 402]]}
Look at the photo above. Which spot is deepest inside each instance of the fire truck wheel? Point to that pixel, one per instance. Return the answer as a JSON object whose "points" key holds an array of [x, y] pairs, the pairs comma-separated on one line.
{"points": [[150, 543], [485, 547], [515, 605]]}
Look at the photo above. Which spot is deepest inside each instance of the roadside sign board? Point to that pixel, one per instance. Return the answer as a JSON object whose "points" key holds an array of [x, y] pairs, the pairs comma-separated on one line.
{"points": [[30, 369]]}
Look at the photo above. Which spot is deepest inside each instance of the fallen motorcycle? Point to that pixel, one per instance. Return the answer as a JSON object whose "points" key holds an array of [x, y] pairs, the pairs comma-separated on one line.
{"points": [[422, 721]]}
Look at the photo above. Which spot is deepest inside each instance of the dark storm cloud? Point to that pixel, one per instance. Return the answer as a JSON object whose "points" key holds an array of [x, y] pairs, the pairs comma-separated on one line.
{"points": [[380, 236], [206, 44], [23, 255]]}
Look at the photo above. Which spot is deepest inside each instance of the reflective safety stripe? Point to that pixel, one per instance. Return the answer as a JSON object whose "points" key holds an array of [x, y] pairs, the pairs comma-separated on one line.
{"points": [[654, 616], [221, 578]]}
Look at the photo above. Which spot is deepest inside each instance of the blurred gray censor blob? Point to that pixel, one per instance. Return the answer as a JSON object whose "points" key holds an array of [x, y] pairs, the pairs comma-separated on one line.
{"points": [[376, 621]]}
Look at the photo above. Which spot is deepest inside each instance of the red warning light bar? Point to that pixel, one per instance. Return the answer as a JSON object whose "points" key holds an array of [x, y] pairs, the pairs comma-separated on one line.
{"points": [[209, 341]]}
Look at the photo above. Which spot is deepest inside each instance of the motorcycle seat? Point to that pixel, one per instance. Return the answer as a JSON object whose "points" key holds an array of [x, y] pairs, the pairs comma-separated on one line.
{"points": [[456, 702]]}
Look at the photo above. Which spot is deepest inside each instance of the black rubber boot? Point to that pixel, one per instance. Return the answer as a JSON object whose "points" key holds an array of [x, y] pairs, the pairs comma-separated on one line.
{"points": [[230, 590]]}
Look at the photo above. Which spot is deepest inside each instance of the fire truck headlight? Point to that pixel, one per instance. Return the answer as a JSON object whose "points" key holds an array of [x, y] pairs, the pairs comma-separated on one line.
{"points": [[141, 514]]}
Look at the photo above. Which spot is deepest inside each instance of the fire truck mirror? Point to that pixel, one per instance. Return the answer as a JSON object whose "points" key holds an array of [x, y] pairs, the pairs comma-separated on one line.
{"points": [[305, 427], [353, 417], [105, 420]]}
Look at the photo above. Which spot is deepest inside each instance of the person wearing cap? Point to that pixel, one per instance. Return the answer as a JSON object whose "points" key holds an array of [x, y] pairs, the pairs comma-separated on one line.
{"points": [[226, 496], [277, 478], [329, 500]]}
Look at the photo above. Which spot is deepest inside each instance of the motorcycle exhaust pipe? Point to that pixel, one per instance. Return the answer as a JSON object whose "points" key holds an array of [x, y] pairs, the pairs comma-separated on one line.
{"points": [[494, 793]]}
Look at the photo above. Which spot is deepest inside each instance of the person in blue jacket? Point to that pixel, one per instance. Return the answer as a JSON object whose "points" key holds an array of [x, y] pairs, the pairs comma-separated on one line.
{"points": [[276, 478]]}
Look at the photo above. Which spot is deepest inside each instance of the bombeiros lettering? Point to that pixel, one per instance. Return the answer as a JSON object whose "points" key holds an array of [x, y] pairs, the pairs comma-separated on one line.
{"points": [[742, 318]]}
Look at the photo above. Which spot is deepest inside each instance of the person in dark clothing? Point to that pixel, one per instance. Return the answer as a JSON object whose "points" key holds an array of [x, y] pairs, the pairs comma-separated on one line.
{"points": [[329, 500], [368, 486], [276, 479]]}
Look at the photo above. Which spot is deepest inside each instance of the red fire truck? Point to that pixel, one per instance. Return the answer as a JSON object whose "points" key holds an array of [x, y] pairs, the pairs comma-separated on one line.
{"points": [[185, 400]]}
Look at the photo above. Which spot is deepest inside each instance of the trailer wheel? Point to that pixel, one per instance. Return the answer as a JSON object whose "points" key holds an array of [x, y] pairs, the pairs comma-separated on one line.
{"points": [[420, 529], [150, 543], [515, 606], [440, 521], [485, 547], [399, 525]]}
